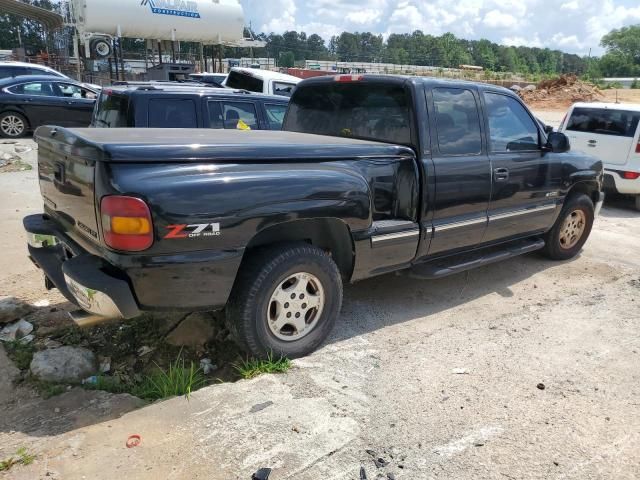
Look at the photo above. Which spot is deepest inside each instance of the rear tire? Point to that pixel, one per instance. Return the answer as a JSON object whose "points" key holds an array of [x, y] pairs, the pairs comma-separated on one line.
{"points": [[13, 125], [571, 230], [638, 202], [285, 301]]}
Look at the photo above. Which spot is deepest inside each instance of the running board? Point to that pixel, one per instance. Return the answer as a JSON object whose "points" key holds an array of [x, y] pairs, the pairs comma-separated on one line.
{"points": [[455, 264]]}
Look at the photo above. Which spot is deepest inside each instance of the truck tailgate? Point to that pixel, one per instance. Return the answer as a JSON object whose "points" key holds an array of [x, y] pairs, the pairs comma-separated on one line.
{"points": [[66, 176]]}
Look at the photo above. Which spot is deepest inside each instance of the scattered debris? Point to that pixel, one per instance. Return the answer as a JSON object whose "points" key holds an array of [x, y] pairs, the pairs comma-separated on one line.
{"points": [[363, 474], [92, 380], [380, 462], [260, 406], [460, 371], [12, 309], [27, 339], [133, 441], [64, 365], [19, 148], [391, 476], [262, 474], [17, 331], [105, 364], [142, 351], [207, 366], [50, 343], [541, 386], [42, 303]]}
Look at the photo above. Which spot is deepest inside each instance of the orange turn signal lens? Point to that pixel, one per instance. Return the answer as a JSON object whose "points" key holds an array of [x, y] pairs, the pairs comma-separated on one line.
{"points": [[130, 225]]}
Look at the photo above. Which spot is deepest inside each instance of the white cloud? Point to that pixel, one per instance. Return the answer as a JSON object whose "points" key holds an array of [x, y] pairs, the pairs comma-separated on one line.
{"points": [[522, 41], [497, 19], [364, 17], [572, 5]]}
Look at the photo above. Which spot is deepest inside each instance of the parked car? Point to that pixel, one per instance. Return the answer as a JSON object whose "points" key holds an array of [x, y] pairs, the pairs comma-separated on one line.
{"points": [[187, 106], [610, 132], [261, 81], [214, 79], [375, 174], [30, 101], [17, 69]]}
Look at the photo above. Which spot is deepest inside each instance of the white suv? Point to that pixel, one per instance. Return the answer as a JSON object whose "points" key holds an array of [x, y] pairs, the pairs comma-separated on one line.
{"points": [[610, 132]]}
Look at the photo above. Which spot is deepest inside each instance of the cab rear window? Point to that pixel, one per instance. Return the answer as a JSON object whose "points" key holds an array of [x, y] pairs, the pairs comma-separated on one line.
{"points": [[359, 110], [621, 123]]}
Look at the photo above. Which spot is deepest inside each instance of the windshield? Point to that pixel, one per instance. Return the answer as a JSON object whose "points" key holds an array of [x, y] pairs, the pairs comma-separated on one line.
{"points": [[360, 110]]}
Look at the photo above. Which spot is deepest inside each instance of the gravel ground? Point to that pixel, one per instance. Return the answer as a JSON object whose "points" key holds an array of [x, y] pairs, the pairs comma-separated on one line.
{"points": [[526, 369]]}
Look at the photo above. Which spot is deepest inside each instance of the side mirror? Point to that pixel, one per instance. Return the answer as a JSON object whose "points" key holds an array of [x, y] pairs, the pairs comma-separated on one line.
{"points": [[557, 143]]}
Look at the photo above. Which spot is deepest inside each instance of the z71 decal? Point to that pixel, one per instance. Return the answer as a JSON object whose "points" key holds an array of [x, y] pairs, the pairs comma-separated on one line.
{"points": [[193, 231]]}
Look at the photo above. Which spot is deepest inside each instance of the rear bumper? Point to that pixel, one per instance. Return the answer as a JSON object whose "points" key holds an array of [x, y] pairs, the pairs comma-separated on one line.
{"points": [[84, 279], [615, 183]]}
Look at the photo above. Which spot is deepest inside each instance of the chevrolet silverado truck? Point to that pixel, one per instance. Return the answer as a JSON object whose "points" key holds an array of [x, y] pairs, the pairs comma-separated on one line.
{"points": [[371, 175]]}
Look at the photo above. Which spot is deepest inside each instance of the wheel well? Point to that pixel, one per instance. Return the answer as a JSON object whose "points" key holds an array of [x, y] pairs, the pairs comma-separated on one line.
{"points": [[329, 234], [586, 188]]}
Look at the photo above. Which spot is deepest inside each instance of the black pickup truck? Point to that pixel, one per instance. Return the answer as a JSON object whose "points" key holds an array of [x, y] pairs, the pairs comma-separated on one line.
{"points": [[373, 174]]}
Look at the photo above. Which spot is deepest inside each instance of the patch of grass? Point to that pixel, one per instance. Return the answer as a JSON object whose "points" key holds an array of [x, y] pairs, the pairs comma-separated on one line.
{"points": [[46, 389], [23, 457], [251, 368], [177, 380], [20, 353], [108, 384]]}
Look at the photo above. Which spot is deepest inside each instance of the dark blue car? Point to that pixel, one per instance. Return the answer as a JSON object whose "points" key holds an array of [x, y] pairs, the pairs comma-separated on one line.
{"points": [[30, 101]]}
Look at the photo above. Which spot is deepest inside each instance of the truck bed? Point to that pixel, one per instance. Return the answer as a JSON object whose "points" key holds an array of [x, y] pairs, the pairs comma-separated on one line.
{"points": [[190, 145]]}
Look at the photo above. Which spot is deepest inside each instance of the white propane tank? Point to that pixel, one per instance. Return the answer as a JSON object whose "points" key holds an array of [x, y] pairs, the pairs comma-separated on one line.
{"points": [[205, 21]]}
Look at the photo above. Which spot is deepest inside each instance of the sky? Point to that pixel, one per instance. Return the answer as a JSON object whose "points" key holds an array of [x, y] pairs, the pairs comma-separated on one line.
{"points": [[572, 26]]}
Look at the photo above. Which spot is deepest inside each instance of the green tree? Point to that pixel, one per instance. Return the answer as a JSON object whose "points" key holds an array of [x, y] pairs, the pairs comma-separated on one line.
{"points": [[287, 59]]}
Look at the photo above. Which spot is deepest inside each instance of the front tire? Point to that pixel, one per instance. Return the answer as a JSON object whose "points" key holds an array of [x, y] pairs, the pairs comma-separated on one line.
{"points": [[571, 230], [637, 202], [13, 125], [285, 301]]}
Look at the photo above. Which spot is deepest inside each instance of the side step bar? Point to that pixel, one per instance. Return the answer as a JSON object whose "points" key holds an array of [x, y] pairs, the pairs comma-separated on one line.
{"points": [[455, 264]]}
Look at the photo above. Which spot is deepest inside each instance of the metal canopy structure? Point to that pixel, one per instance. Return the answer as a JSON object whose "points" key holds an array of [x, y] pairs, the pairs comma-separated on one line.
{"points": [[49, 20]]}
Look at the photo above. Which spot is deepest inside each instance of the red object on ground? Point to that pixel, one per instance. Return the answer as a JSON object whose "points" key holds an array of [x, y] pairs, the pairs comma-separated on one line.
{"points": [[133, 441]]}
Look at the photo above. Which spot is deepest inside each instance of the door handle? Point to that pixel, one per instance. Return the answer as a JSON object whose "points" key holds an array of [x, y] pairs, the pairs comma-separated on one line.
{"points": [[501, 174]]}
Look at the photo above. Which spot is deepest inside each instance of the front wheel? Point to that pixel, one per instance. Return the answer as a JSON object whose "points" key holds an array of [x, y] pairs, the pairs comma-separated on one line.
{"points": [[638, 202], [571, 230], [285, 301], [12, 125]]}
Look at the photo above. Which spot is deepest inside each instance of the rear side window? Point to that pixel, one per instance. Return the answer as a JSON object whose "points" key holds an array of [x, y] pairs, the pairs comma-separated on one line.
{"points": [[6, 72], [360, 110], [172, 113], [111, 112], [283, 89], [457, 121], [275, 115], [40, 89], [239, 115], [511, 128], [621, 123], [243, 81]]}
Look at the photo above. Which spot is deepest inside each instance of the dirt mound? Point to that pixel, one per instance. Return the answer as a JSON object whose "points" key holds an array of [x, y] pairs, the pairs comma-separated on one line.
{"points": [[564, 90]]}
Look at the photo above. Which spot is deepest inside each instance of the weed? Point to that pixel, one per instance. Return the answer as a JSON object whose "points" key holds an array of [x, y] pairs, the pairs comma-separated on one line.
{"points": [[23, 458], [20, 353], [178, 380], [251, 368], [108, 384], [46, 389]]}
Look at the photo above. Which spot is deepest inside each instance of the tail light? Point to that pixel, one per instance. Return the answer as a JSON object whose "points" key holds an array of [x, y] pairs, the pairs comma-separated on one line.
{"points": [[126, 223], [630, 175], [638, 147]]}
